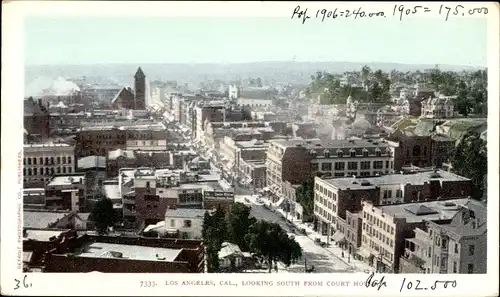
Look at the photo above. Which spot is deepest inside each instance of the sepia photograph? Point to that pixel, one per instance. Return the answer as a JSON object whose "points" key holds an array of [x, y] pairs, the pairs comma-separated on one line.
{"points": [[327, 139]]}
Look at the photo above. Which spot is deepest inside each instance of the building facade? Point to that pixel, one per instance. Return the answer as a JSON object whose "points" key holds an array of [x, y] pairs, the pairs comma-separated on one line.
{"points": [[42, 161]]}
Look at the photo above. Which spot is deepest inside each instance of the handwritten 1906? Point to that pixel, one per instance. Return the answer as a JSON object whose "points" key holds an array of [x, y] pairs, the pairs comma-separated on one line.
{"points": [[399, 11]]}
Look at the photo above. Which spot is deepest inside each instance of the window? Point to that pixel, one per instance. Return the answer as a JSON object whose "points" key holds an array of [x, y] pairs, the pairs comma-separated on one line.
{"points": [[456, 248], [52, 160], [29, 161], [416, 151], [327, 154], [470, 268], [339, 165], [29, 171], [314, 167], [471, 250], [52, 171], [399, 193], [365, 165], [58, 160], [64, 160], [353, 153], [34, 161], [41, 161], [41, 171], [58, 169], [64, 169], [378, 164], [454, 267], [378, 153], [187, 223], [24, 161], [69, 169], [352, 165], [340, 154], [46, 161], [326, 167], [365, 153], [386, 164], [35, 171], [429, 252]]}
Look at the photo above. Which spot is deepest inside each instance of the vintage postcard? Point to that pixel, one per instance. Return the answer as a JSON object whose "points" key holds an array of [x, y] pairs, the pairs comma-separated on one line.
{"points": [[250, 148]]}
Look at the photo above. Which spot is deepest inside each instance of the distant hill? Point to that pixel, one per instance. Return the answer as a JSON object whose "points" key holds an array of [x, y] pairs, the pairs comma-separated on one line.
{"points": [[292, 72]]}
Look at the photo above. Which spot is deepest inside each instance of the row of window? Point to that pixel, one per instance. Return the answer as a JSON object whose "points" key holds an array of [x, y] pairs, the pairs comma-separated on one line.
{"points": [[186, 223], [388, 193], [321, 211], [46, 171], [379, 223], [48, 161], [363, 165], [352, 153], [385, 253], [379, 235]]}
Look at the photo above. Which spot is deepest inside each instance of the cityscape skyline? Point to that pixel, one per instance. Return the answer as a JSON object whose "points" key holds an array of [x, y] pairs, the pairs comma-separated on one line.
{"points": [[191, 40]]}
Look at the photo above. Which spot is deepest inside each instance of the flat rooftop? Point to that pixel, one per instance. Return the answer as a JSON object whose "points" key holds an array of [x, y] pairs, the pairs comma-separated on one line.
{"points": [[41, 235], [41, 219], [131, 252], [317, 143], [431, 211], [185, 213], [418, 178], [66, 180]]}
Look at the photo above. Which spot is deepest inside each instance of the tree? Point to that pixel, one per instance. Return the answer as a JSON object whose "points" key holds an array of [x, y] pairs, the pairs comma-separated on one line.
{"points": [[471, 160], [365, 73], [103, 215], [305, 196], [271, 242], [214, 234], [238, 221]]}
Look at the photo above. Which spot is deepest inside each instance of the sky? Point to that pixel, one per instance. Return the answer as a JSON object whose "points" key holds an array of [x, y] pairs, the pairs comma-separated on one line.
{"points": [[93, 40]]}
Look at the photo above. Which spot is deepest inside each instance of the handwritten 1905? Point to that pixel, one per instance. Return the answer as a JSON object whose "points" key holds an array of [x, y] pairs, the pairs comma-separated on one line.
{"points": [[398, 11]]}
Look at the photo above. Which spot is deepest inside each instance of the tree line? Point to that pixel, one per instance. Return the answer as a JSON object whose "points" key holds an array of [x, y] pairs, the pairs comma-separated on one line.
{"points": [[469, 87]]}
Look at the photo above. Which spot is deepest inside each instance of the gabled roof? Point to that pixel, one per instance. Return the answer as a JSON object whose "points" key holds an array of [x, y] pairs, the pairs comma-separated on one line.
{"points": [[123, 92]]}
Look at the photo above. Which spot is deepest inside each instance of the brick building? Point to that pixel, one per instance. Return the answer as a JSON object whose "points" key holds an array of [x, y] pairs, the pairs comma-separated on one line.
{"points": [[334, 197], [296, 160], [66, 251], [411, 150], [99, 140]]}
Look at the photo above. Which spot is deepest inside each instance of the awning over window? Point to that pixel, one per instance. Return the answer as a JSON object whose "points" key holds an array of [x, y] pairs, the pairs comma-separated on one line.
{"points": [[338, 236], [364, 253]]}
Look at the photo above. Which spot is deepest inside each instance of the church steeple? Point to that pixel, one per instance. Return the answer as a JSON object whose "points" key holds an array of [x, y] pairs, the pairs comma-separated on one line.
{"points": [[139, 73], [140, 89]]}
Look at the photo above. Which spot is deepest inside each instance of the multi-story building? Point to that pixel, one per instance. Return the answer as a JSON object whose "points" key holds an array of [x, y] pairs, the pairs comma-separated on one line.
{"points": [[148, 193], [296, 160], [67, 251], [187, 222], [457, 246], [442, 149], [385, 228], [333, 197], [437, 108], [99, 140], [66, 192], [208, 113], [42, 161], [411, 149]]}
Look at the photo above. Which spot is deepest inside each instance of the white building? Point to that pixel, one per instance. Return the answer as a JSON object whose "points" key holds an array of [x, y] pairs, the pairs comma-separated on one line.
{"points": [[41, 161], [188, 222], [437, 108]]}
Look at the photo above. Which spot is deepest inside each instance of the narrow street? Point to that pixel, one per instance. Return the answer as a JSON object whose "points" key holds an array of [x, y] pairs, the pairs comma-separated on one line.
{"points": [[323, 260]]}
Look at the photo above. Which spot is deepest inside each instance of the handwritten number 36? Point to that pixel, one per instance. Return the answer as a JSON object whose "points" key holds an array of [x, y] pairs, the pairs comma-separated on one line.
{"points": [[24, 283]]}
